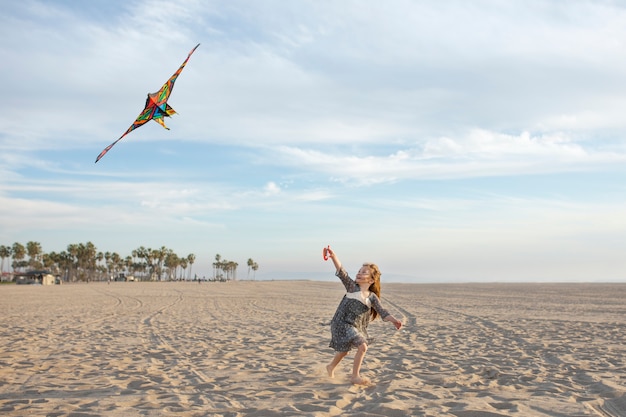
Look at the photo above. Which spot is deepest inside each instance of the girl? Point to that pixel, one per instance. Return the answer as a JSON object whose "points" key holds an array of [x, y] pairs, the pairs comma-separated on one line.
{"points": [[349, 325]]}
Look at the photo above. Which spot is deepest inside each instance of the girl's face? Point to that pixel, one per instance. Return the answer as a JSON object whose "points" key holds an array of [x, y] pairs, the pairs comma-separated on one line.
{"points": [[364, 275]]}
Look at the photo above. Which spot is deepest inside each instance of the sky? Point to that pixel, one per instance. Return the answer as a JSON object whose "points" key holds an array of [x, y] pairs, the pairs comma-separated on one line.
{"points": [[446, 141]]}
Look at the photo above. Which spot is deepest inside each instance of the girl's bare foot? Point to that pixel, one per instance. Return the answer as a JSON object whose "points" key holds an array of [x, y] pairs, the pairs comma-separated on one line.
{"points": [[361, 380], [330, 370]]}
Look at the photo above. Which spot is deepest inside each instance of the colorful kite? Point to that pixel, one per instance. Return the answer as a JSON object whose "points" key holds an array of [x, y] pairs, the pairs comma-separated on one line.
{"points": [[156, 106]]}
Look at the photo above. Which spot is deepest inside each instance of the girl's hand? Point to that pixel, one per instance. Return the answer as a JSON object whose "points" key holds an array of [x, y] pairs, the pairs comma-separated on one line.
{"points": [[394, 320], [328, 252]]}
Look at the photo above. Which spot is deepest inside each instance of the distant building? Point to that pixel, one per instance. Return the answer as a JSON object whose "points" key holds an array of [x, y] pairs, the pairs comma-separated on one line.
{"points": [[42, 277]]}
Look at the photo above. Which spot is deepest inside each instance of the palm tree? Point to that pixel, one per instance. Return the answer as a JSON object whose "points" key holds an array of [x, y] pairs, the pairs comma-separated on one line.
{"points": [[217, 265], [72, 251], [107, 262], [255, 266], [19, 252], [134, 261], [117, 263], [5, 252], [65, 261], [231, 270], [149, 255], [87, 260], [50, 262], [160, 255], [249, 263], [191, 258], [171, 263], [99, 258], [183, 262], [128, 264], [34, 253], [141, 254]]}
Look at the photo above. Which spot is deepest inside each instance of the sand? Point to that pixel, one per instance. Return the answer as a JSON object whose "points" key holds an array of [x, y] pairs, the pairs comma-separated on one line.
{"points": [[260, 348]]}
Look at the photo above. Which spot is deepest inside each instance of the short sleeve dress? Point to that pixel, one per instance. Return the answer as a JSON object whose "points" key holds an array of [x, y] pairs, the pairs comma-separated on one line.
{"points": [[348, 327]]}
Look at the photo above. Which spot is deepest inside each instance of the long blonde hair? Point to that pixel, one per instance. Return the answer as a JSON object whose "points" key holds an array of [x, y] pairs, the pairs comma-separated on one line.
{"points": [[375, 286]]}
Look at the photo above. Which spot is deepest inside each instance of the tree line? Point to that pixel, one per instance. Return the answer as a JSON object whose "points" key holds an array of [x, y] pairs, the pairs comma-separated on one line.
{"points": [[83, 262]]}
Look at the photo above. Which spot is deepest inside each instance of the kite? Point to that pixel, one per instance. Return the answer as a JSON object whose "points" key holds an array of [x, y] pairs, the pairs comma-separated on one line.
{"points": [[156, 106]]}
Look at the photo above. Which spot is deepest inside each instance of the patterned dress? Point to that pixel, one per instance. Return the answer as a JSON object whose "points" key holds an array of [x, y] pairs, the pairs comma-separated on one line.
{"points": [[348, 327]]}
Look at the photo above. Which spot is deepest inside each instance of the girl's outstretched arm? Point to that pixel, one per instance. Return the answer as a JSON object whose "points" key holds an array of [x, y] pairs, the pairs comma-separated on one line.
{"points": [[394, 320], [384, 314], [335, 259]]}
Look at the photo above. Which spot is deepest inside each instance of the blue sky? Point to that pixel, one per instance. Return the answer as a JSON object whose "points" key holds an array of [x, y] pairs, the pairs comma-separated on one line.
{"points": [[443, 140]]}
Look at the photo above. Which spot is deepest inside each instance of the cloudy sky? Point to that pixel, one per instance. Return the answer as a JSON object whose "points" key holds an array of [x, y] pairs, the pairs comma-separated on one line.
{"points": [[443, 140]]}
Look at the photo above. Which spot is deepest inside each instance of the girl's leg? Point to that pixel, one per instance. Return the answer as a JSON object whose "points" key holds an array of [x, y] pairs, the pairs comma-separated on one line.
{"points": [[333, 364], [356, 368]]}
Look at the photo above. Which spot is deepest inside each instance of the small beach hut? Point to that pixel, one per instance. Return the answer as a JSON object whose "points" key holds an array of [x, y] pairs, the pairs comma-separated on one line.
{"points": [[42, 277]]}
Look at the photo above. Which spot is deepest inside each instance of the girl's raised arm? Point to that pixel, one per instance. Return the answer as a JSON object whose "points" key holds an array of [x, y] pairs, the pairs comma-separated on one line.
{"points": [[334, 258]]}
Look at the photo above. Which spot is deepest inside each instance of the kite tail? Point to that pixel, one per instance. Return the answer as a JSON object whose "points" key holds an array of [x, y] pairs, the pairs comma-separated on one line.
{"points": [[105, 150]]}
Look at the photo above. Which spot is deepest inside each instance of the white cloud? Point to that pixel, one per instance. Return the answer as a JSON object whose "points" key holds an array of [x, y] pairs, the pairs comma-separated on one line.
{"points": [[271, 188], [478, 153]]}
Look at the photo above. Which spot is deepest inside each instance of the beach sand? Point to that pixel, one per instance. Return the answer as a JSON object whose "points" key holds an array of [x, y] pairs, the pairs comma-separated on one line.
{"points": [[260, 348]]}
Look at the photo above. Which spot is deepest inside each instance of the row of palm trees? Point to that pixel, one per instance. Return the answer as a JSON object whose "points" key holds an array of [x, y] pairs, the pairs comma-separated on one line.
{"points": [[83, 262], [224, 270]]}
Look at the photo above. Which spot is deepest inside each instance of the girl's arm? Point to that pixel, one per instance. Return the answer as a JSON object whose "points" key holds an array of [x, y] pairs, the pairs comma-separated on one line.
{"points": [[335, 259], [384, 314], [394, 320], [341, 273]]}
